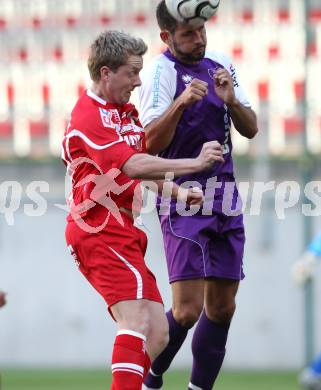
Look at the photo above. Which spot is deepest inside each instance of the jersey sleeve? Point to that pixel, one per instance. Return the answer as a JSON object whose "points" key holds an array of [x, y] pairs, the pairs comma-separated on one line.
{"points": [[225, 61], [239, 92], [158, 89], [102, 145]]}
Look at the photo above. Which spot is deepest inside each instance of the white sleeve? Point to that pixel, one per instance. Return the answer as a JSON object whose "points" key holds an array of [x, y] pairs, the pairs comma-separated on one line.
{"points": [[225, 61], [239, 93], [158, 89]]}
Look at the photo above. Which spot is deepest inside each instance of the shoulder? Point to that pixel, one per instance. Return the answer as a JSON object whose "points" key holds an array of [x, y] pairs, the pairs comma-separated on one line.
{"points": [[158, 65], [220, 58]]}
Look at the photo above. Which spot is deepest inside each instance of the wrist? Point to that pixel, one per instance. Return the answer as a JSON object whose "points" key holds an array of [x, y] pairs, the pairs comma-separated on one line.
{"points": [[234, 103], [180, 104]]}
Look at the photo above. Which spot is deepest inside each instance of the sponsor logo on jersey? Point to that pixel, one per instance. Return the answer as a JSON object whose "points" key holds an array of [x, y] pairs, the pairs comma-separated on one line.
{"points": [[131, 127], [156, 83], [233, 74]]}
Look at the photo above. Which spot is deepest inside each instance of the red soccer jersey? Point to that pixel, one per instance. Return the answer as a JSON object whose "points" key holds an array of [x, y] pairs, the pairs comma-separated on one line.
{"points": [[99, 139]]}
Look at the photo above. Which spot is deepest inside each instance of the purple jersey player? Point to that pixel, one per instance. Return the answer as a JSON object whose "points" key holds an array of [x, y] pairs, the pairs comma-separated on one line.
{"points": [[189, 96]]}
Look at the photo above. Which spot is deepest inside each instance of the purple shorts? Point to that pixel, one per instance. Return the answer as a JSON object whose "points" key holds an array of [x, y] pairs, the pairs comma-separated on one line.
{"points": [[203, 246]]}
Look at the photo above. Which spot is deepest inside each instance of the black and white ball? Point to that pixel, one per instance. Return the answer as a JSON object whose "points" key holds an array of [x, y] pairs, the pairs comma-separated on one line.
{"points": [[192, 11]]}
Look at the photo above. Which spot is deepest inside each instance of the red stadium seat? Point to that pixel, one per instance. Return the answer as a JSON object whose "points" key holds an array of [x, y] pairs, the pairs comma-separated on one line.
{"points": [[312, 49], [213, 19], [263, 90], [23, 54], [274, 52], [10, 94], [36, 23], [299, 90], [58, 54], [39, 129], [293, 125], [3, 24], [6, 129], [283, 15], [247, 16], [315, 15], [71, 21], [105, 20], [46, 94], [140, 18], [237, 52]]}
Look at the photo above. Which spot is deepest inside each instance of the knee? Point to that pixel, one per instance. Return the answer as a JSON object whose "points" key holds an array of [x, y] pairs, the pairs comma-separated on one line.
{"points": [[221, 314], [139, 322], [187, 315]]}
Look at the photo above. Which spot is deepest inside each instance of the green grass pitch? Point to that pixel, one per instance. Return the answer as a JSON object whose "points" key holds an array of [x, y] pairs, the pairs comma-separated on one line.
{"points": [[175, 380]]}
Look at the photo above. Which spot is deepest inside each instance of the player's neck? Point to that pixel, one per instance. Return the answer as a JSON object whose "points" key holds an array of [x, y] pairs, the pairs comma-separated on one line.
{"points": [[97, 90]]}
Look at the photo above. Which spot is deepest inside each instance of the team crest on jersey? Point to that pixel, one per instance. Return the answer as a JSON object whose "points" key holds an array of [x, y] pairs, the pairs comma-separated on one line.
{"points": [[187, 79], [212, 71], [106, 117]]}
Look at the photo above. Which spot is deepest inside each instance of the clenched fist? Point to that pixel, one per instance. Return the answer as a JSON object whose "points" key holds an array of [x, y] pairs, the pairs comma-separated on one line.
{"points": [[211, 152], [194, 92]]}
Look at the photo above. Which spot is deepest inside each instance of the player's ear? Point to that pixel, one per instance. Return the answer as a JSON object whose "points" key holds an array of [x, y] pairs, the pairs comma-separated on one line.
{"points": [[165, 35], [104, 72]]}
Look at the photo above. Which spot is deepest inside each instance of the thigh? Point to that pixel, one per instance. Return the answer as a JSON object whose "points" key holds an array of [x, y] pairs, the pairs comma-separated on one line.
{"points": [[188, 294], [226, 254], [113, 262], [131, 314], [136, 311], [184, 247], [219, 300]]}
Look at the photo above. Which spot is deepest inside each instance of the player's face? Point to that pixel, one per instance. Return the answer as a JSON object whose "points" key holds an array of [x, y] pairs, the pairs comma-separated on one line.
{"points": [[188, 43], [121, 83]]}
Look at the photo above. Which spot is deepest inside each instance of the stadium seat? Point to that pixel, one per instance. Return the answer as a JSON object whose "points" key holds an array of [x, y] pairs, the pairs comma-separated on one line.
{"points": [[6, 129]]}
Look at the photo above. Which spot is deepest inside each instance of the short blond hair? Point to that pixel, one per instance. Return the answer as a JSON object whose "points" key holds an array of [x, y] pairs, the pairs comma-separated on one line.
{"points": [[112, 49]]}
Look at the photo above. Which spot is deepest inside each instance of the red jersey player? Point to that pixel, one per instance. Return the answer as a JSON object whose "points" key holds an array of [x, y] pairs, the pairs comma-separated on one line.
{"points": [[104, 150]]}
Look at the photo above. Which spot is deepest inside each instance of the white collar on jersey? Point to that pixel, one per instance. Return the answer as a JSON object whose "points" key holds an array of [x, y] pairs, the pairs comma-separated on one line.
{"points": [[91, 94]]}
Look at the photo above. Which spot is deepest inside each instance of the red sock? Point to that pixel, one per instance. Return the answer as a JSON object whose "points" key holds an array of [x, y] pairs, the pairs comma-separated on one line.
{"points": [[128, 361]]}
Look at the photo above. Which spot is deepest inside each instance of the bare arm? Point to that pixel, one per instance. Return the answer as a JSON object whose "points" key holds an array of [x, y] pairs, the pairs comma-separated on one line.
{"points": [[144, 166], [244, 119], [160, 132]]}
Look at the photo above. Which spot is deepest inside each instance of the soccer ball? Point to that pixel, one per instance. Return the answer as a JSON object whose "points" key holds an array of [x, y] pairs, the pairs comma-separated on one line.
{"points": [[192, 11]]}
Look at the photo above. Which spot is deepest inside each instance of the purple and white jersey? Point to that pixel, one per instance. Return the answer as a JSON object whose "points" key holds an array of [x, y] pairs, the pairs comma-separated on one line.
{"points": [[163, 81]]}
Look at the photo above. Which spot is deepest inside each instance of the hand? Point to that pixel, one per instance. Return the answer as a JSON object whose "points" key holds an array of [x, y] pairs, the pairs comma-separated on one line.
{"points": [[194, 92], [223, 86], [192, 196], [2, 298], [211, 152], [303, 269]]}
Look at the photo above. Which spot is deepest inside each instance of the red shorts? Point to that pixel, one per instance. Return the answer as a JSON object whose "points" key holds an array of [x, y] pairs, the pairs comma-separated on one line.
{"points": [[112, 260]]}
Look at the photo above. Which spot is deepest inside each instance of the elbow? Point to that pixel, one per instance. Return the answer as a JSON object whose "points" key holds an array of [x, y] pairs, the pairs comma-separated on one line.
{"points": [[252, 132], [152, 148], [131, 172], [131, 169]]}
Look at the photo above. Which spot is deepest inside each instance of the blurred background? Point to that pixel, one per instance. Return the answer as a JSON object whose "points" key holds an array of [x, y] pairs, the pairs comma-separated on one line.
{"points": [[53, 319]]}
